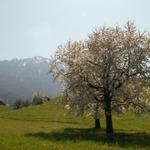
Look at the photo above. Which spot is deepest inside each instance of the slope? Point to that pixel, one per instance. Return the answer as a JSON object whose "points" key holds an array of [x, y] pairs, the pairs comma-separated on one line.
{"points": [[47, 127]]}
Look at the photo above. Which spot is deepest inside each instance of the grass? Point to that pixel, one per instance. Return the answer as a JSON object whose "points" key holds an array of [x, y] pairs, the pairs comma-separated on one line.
{"points": [[46, 127]]}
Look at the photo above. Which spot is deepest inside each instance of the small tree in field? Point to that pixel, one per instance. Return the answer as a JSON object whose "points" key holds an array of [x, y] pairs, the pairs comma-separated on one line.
{"points": [[39, 98], [109, 66], [20, 103]]}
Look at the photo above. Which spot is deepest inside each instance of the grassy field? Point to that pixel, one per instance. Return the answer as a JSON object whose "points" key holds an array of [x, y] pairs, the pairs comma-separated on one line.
{"points": [[46, 127]]}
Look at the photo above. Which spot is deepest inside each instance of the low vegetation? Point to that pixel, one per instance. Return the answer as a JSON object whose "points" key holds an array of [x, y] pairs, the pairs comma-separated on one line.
{"points": [[20, 103], [38, 98], [48, 127]]}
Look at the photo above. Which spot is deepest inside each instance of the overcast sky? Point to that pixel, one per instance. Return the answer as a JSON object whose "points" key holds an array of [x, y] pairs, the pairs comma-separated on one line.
{"points": [[36, 27]]}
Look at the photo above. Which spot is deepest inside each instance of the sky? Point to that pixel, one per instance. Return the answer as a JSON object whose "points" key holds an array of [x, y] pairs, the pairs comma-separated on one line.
{"points": [[37, 27]]}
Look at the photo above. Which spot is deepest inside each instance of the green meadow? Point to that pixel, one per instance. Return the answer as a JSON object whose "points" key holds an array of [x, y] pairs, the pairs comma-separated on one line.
{"points": [[49, 127]]}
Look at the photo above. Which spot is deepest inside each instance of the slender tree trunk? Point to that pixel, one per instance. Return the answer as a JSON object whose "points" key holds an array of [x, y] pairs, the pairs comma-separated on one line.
{"points": [[108, 115], [97, 120], [97, 124]]}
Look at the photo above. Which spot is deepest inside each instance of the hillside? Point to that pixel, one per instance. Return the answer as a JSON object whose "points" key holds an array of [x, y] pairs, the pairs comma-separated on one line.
{"points": [[47, 126], [20, 78]]}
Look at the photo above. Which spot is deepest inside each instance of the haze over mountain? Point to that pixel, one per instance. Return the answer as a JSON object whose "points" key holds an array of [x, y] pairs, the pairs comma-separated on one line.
{"points": [[20, 78]]}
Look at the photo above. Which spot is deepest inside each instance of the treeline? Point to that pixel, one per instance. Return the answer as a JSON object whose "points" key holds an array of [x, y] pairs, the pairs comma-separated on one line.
{"points": [[37, 99]]}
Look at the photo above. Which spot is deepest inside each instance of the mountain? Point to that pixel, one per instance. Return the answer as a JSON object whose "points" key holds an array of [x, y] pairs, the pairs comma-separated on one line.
{"points": [[20, 78]]}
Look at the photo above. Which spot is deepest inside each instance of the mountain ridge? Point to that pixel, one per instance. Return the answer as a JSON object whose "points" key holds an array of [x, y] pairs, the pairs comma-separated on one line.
{"points": [[20, 78]]}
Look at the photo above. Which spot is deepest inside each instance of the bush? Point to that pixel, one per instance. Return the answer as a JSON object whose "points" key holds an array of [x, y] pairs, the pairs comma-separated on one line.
{"points": [[2, 103], [39, 98], [19, 103], [26, 103]]}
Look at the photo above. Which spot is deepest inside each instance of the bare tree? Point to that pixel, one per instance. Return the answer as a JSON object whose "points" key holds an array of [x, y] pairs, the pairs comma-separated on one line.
{"points": [[110, 65]]}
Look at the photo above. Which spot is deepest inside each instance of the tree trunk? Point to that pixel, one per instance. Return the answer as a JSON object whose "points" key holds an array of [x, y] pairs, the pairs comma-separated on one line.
{"points": [[109, 125], [97, 124], [108, 115]]}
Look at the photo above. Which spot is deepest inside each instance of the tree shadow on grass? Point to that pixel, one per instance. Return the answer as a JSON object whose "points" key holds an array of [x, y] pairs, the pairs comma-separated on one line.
{"points": [[121, 138]]}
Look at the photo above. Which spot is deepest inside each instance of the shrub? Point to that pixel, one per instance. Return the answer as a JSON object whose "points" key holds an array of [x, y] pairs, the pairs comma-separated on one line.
{"points": [[19, 103], [26, 103], [39, 98]]}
